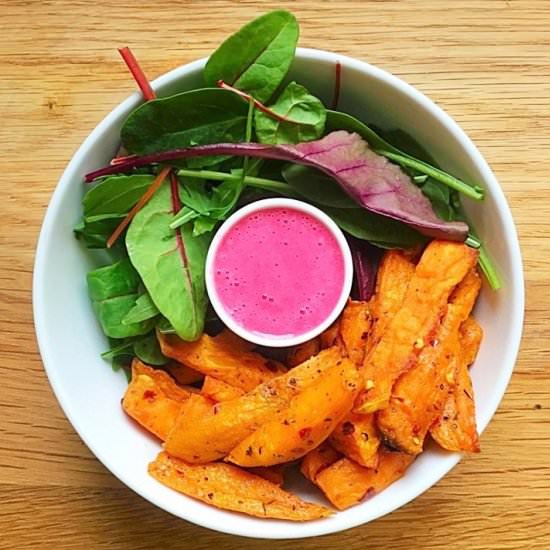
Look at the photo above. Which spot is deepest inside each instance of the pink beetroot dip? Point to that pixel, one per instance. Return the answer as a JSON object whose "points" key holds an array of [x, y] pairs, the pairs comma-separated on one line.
{"points": [[279, 272]]}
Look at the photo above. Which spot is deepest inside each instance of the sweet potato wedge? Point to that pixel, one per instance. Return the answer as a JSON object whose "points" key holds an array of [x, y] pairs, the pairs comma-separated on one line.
{"points": [[394, 275], [318, 459], [210, 435], [183, 375], [442, 266], [357, 438], [219, 391], [331, 336], [299, 354], [274, 474], [225, 357], [355, 324], [420, 393], [153, 399], [471, 335], [310, 418], [455, 429], [228, 487], [346, 483]]}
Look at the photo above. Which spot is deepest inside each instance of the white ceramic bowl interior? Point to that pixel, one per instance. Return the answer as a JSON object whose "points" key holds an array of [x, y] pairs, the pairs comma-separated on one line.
{"points": [[70, 338], [265, 339]]}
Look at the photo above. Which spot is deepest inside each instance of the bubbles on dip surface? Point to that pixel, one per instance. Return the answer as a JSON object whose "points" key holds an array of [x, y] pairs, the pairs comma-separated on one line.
{"points": [[279, 272]]}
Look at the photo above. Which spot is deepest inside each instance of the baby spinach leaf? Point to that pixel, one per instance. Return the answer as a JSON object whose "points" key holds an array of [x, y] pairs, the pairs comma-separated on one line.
{"points": [[171, 267], [123, 347], [111, 312], [337, 120], [205, 207], [95, 231], [147, 349], [105, 205], [112, 280], [316, 186], [440, 197], [114, 196], [203, 224], [381, 231], [405, 143], [257, 57], [197, 117], [164, 326], [113, 290], [305, 113], [143, 309]]}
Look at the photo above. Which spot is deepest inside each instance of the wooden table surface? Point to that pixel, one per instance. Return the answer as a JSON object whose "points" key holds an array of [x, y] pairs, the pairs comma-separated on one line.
{"points": [[486, 62]]}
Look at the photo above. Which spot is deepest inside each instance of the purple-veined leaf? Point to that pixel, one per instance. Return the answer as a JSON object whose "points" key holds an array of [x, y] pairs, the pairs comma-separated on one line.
{"points": [[375, 183]]}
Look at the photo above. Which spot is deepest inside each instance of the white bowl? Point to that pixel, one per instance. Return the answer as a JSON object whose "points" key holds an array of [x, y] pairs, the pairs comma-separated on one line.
{"points": [[70, 339], [265, 339]]}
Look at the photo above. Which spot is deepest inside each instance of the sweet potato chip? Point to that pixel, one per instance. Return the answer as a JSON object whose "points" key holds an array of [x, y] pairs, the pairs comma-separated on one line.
{"points": [[153, 399], [455, 429], [212, 434], [442, 266], [310, 418], [318, 459], [225, 357], [299, 354], [357, 438], [230, 488], [355, 324], [420, 393], [346, 483], [219, 391]]}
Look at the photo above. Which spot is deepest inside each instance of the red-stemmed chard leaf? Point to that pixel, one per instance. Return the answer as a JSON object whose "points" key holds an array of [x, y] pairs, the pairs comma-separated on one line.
{"points": [[137, 73], [375, 183]]}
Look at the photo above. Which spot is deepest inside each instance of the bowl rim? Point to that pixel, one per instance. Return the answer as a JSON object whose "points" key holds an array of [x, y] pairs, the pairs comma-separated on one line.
{"points": [[342, 521], [267, 204]]}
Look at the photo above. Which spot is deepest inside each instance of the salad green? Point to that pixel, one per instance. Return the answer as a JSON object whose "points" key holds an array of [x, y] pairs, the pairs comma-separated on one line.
{"points": [[249, 132]]}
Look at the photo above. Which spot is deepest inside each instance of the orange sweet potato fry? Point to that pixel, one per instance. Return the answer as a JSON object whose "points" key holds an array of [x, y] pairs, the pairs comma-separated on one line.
{"points": [[442, 266], [345, 483], [310, 418], [182, 374], [420, 393], [355, 324], [228, 487], [210, 435], [455, 429], [357, 438], [299, 354], [318, 459], [219, 391], [331, 336], [394, 275], [275, 474], [471, 335], [153, 399], [225, 357]]}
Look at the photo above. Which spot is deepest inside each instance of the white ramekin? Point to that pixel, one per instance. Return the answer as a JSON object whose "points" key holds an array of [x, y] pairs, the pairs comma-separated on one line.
{"points": [[226, 317]]}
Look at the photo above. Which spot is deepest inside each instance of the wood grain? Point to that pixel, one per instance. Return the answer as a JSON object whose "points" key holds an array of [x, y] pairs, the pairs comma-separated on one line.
{"points": [[487, 63]]}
